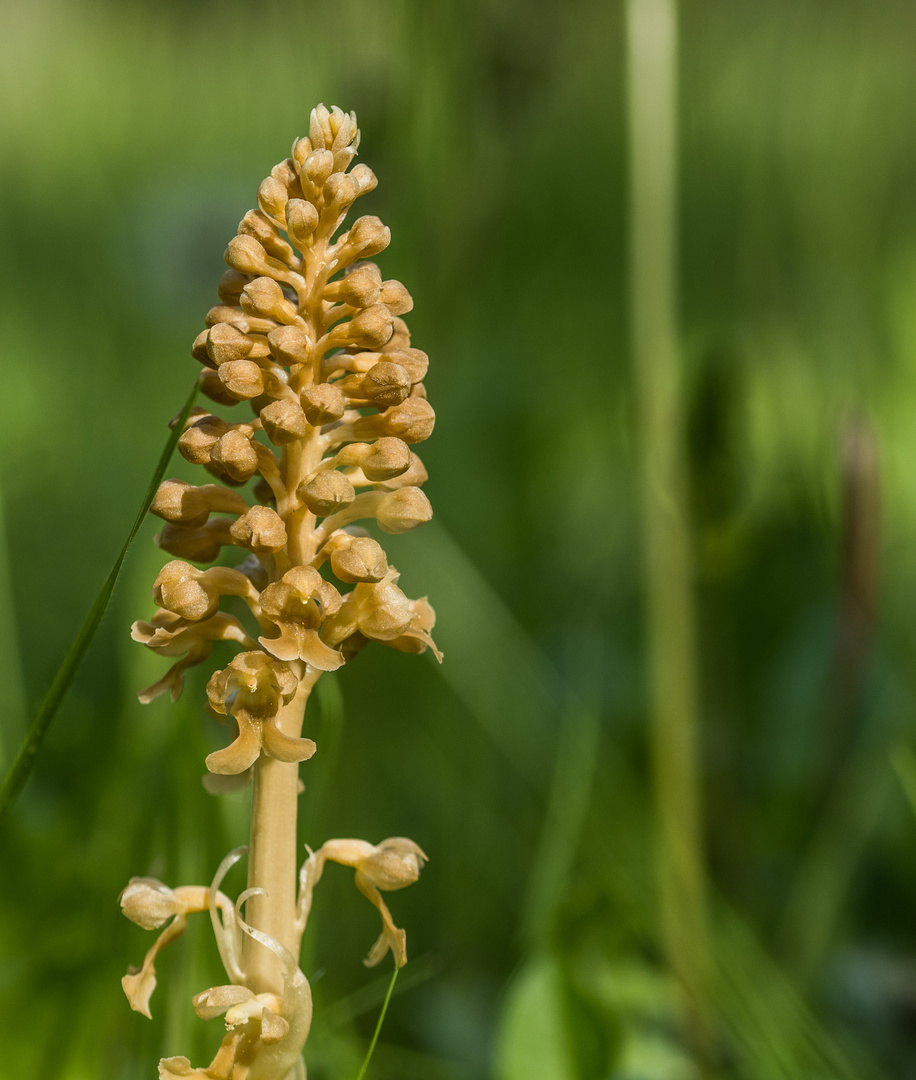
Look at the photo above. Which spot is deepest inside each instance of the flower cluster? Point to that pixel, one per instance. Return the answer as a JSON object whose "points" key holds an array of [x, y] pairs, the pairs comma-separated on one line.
{"points": [[311, 337], [308, 335]]}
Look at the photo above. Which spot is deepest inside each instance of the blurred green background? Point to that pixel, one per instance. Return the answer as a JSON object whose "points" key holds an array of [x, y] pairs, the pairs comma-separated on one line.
{"points": [[133, 137]]}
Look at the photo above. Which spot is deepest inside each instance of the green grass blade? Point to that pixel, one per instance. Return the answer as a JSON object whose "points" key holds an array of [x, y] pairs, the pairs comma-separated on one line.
{"points": [[28, 751], [378, 1027]]}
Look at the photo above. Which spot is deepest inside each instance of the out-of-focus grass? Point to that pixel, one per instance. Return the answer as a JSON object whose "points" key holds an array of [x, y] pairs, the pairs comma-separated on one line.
{"points": [[134, 137]]}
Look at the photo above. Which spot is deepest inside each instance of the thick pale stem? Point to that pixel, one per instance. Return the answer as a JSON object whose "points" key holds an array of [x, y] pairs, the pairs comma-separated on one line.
{"points": [[273, 856]]}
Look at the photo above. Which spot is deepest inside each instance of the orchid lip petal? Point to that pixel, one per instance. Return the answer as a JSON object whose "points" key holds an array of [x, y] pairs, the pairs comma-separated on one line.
{"points": [[240, 754], [285, 747]]}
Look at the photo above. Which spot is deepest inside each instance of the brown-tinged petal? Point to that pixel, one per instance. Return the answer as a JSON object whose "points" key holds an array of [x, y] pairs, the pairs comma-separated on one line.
{"points": [[297, 643], [241, 753], [318, 655], [172, 683], [286, 645], [285, 747], [391, 937], [139, 983]]}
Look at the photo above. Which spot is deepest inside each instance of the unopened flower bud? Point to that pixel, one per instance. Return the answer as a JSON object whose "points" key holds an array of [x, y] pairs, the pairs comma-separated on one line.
{"points": [[225, 344], [272, 196], [400, 335], [290, 345], [343, 128], [333, 129], [370, 329], [355, 558], [230, 287], [301, 221], [385, 458], [414, 361], [385, 384], [258, 225], [199, 348], [360, 288], [340, 192], [365, 178], [244, 322], [212, 387], [412, 421], [323, 403], [367, 237], [261, 530], [414, 475], [396, 298], [327, 493], [197, 441], [402, 510], [286, 173], [343, 159], [201, 544], [284, 421], [301, 150], [248, 256], [265, 298], [235, 455], [317, 168], [194, 594], [320, 127], [177, 500], [242, 378]]}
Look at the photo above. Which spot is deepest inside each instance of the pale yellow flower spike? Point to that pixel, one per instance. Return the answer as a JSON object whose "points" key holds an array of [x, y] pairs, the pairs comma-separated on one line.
{"points": [[310, 340]]}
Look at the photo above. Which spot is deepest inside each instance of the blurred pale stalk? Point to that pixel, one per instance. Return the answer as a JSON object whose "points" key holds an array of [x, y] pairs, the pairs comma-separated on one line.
{"points": [[670, 617]]}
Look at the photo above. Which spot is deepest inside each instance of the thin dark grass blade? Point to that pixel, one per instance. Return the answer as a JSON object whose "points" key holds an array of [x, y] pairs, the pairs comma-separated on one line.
{"points": [[28, 751], [378, 1027]]}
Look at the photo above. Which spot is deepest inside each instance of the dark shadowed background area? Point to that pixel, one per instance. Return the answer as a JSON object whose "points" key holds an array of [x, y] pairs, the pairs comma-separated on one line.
{"points": [[133, 139]]}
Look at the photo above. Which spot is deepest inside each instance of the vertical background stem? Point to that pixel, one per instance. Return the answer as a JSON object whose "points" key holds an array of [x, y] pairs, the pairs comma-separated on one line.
{"points": [[670, 615]]}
